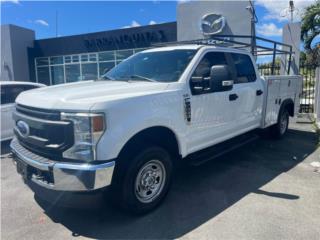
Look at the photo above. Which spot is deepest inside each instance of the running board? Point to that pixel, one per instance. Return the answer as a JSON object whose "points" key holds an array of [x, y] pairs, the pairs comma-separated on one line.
{"points": [[220, 149]]}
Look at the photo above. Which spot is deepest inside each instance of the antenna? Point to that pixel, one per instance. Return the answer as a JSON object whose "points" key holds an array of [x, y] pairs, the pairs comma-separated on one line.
{"points": [[290, 11]]}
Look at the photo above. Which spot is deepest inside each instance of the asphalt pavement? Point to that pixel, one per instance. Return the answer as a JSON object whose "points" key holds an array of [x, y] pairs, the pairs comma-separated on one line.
{"points": [[265, 190]]}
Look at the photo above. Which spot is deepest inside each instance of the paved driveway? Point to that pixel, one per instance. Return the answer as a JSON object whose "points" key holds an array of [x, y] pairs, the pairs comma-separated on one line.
{"points": [[265, 190]]}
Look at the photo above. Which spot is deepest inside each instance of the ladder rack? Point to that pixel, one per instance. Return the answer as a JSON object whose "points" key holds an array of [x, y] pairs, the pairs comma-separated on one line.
{"points": [[237, 41]]}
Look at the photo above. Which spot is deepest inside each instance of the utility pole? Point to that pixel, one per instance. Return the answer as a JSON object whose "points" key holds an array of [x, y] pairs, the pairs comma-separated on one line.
{"points": [[254, 20], [291, 9]]}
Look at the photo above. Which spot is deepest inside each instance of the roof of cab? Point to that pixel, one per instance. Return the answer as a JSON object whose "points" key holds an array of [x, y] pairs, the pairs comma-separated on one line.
{"points": [[21, 83], [174, 47], [195, 47]]}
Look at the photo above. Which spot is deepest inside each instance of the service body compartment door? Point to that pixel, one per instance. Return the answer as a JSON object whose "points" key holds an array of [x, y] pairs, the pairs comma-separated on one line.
{"points": [[279, 89], [272, 101]]}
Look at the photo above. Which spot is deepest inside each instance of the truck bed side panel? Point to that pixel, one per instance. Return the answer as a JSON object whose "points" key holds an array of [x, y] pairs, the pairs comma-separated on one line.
{"points": [[280, 88]]}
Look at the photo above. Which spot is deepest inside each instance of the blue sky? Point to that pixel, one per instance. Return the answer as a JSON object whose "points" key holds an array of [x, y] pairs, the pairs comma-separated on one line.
{"points": [[76, 17]]}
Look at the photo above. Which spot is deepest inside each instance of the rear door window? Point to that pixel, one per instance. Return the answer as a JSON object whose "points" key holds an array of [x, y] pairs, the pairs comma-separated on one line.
{"points": [[245, 71]]}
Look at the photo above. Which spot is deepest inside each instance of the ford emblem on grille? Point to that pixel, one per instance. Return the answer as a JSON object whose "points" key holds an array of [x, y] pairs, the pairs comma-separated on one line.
{"points": [[23, 128]]}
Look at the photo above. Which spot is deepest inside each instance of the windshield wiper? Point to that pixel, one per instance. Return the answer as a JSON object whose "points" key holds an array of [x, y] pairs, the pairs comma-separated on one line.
{"points": [[141, 78]]}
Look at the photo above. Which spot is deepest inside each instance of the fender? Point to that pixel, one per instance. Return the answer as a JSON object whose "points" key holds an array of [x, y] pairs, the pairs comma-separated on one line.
{"points": [[289, 104]]}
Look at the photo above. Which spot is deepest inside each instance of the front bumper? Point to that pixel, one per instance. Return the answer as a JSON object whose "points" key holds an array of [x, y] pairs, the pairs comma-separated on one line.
{"points": [[60, 176]]}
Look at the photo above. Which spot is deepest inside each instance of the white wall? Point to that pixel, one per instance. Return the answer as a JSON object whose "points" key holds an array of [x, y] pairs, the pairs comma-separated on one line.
{"points": [[189, 14], [291, 35], [6, 73], [15, 42]]}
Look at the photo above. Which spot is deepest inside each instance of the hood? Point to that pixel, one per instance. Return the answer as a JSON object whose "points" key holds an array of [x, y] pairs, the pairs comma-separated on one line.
{"points": [[83, 95]]}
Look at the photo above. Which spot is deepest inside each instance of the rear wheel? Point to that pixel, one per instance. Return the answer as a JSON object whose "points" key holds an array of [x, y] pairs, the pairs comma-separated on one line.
{"points": [[281, 127], [145, 180]]}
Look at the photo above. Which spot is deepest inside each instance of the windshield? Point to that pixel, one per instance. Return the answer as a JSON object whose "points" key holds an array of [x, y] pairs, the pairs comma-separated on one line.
{"points": [[159, 66]]}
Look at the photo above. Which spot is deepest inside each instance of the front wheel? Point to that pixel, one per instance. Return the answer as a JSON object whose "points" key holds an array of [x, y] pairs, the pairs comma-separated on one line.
{"points": [[281, 127], [145, 180]]}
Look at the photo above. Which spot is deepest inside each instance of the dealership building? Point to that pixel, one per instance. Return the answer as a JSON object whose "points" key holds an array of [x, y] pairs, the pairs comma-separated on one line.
{"points": [[73, 58], [88, 56]]}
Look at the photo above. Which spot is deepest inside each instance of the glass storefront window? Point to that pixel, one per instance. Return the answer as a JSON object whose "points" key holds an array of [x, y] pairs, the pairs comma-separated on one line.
{"points": [[89, 71], [67, 59], [72, 72], [75, 58], [104, 67], [106, 56], [76, 67], [42, 61], [56, 60], [57, 74], [43, 75], [92, 57], [84, 58], [123, 54]]}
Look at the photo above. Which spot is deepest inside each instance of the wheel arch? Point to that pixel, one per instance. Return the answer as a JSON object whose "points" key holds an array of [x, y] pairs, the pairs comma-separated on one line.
{"points": [[289, 105], [157, 135]]}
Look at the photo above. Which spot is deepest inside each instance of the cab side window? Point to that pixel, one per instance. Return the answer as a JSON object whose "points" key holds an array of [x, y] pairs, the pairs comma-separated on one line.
{"points": [[200, 78], [245, 71], [209, 60]]}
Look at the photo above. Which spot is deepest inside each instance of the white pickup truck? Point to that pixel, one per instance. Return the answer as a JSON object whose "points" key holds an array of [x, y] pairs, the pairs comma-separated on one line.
{"points": [[129, 129]]}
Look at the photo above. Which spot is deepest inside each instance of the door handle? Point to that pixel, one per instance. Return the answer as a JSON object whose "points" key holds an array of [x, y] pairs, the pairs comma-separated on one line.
{"points": [[259, 92], [233, 97]]}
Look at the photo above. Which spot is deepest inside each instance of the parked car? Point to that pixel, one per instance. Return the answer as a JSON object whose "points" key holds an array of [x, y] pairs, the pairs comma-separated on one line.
{"points": [[159, 107], [9, 92]]}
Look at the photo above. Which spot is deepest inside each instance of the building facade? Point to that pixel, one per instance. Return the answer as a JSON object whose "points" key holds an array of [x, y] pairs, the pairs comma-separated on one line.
{"points": [[74, 58], [88, 56]]}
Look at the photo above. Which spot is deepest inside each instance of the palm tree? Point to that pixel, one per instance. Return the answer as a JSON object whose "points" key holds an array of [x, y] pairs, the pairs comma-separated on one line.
{"points": [[310, 27]]}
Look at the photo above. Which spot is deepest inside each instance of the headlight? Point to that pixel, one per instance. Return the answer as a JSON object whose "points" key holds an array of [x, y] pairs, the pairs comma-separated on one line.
{"points": [[88, 128]]}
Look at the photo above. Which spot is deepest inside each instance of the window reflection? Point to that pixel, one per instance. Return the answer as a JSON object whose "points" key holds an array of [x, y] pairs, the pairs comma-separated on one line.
{"points": [[57, 74], [89, 71], [104, 67], [42, 61], [78, 67], [72, 72], [43, 75]]}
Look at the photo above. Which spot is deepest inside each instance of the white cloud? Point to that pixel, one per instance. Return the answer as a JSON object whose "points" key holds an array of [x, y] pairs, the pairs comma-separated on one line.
{"points": [[269, 29], [42, 22], [11, 1], [278, 10], [152, 22], [134, 23]]}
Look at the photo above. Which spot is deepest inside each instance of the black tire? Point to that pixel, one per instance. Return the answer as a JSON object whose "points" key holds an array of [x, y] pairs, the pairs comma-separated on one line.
{"points": [[125, 184], [280, 128]]}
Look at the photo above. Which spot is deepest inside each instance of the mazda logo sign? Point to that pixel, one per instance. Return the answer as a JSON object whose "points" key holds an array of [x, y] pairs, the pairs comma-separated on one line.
{"points": [[212, 23], [23, 128]]}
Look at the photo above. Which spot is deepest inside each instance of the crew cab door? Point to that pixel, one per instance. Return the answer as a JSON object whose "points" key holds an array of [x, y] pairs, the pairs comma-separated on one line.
{"points": [[220, 115], [212, 112], [249, 90]]}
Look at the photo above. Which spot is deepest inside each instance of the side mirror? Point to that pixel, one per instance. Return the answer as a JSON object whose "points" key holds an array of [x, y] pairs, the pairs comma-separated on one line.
{"points": [[220, 78]]}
